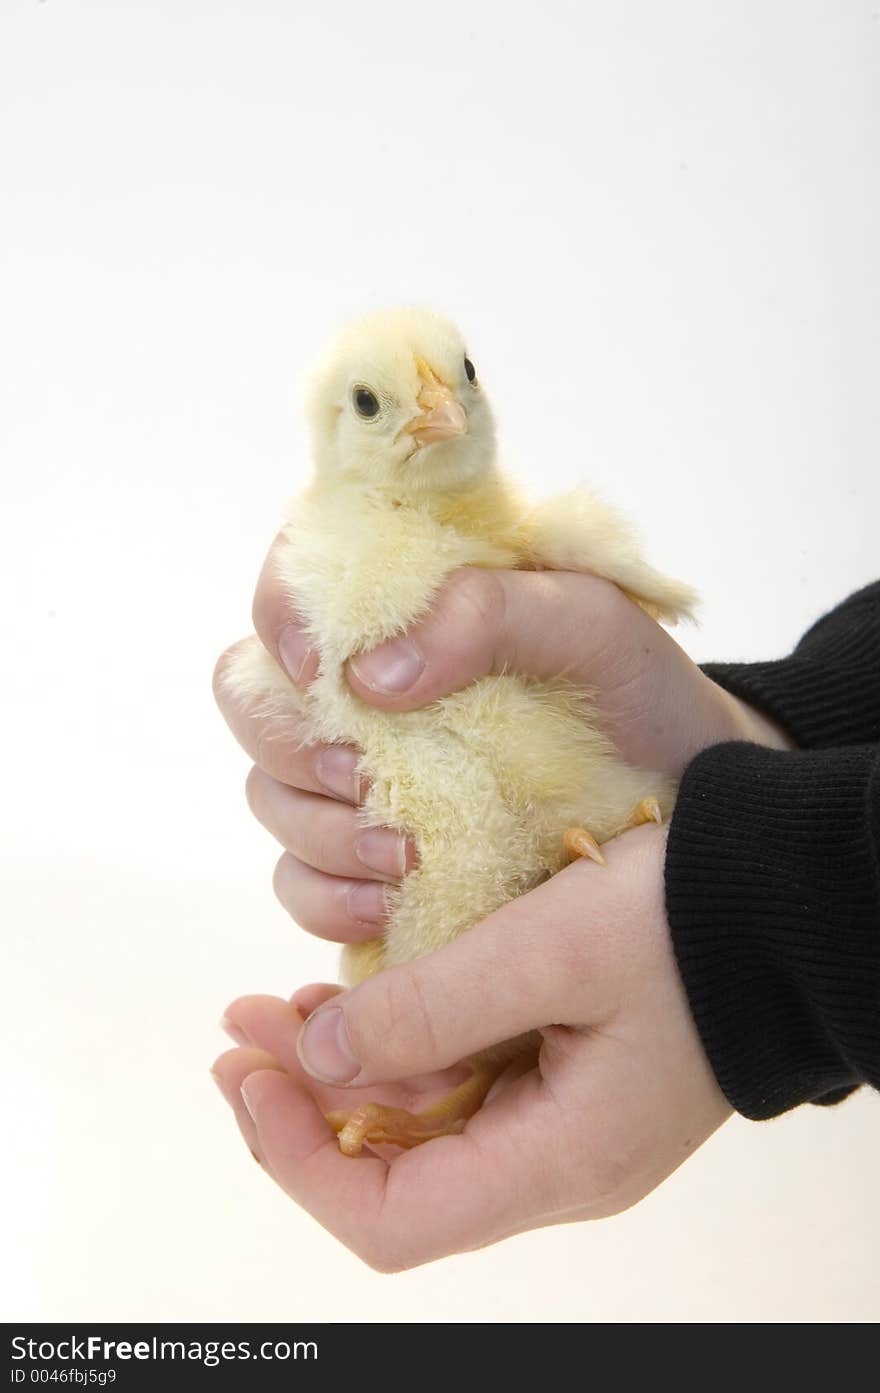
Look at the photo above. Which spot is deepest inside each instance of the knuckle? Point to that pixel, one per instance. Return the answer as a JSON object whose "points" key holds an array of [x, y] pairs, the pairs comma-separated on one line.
{"points": [[421, 1013], [391, 1243], [263, 746], [378, 1255], [480, 594], [571, 950], [254, 791], [297, 899], [281, 882], [607, 1178], [269, 602], [409, 1004], [403, 1027], [605, 600], [221, 672], [271, 750], [310, 905], [279, 745], [321, 839]]}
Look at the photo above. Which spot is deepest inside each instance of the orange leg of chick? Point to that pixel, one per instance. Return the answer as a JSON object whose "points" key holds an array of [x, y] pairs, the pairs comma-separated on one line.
{"points": [[375, 1124]]}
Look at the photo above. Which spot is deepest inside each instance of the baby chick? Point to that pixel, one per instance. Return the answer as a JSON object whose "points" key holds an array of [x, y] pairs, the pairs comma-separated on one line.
{"points": [[500, 784]]}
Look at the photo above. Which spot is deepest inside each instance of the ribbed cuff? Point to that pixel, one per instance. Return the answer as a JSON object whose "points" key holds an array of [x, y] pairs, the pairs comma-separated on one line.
{"points": [[828, 692], [773, 902]]}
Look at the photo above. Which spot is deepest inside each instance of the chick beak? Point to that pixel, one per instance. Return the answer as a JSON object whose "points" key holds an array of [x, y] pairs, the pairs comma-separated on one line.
{"points": [[442, 416]]}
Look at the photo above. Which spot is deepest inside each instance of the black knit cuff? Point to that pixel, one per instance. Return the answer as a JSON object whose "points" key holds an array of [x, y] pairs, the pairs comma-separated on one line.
{"points": [[827, 692], [773, 902]]}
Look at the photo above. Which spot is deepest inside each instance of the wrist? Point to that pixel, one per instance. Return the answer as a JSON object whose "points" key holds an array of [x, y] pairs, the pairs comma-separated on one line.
{"points": [[748, 723]]}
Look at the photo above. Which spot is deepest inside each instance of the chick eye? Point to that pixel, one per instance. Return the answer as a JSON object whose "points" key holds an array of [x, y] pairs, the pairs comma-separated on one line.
{"points": [[470, 370], [366, 403]]}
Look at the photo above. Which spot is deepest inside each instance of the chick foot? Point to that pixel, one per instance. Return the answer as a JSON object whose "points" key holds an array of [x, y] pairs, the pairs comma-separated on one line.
{"points": [[374, 1124]]}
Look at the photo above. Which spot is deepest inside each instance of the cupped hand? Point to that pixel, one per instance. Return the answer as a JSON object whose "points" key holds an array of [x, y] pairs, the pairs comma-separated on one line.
{"points": [[619, 1096]]}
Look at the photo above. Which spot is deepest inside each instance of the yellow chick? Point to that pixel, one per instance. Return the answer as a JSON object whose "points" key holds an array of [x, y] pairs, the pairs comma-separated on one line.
{"points": [[500, 784]]}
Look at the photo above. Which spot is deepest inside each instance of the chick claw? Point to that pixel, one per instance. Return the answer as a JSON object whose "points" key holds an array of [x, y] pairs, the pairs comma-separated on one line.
{"points": [[648, 810], [374, 1124], [579, 842]]}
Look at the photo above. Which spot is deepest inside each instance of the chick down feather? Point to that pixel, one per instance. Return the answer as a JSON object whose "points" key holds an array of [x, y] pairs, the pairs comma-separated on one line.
{"points": [[485, 780]]}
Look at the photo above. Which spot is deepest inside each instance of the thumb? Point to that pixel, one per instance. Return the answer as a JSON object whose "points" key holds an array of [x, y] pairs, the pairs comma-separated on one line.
{"points": [[542, 623], [526, 966]]}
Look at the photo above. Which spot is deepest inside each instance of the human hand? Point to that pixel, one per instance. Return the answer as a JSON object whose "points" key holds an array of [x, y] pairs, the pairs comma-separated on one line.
{"points": [[619, 1096], [651, 699]]}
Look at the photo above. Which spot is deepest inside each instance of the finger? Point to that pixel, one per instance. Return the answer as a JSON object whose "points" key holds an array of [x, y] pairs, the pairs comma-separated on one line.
{"points": [[482, 621], [269, 1023], [542, 623], [526, 966], [330, 907], [307, 999], [327, 834], [272, 1024], [275, 743], [229, 1072], [345, 1195], [651, 699], [519, 1140], [279, 625], [453, 1194]]}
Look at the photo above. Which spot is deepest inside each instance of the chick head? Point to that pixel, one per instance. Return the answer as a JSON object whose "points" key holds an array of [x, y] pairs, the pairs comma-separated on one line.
{"points": [[397, 405]]}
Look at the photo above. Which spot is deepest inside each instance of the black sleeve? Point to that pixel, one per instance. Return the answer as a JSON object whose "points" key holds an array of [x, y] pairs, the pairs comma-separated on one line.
{"points": [[773, 875], [827, 692], [773, 897]]}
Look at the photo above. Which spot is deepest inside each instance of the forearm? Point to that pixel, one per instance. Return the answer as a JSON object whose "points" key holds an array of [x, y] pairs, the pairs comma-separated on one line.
{"points": [[773, 898], [827, 692]]}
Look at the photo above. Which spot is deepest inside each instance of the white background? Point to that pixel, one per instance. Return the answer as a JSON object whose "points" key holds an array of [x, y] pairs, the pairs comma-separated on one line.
{"points": [[659, 225]]}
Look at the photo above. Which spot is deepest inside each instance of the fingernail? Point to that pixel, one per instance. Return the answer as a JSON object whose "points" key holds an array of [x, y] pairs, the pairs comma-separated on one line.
{"points": [[325, 1050], [382, 849], [234, 1031], [334, 770], [294, 650], [247, 1102], [392, 667], [367, 903]]}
